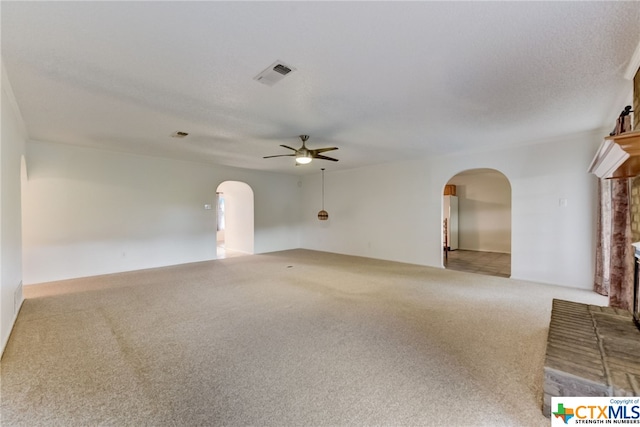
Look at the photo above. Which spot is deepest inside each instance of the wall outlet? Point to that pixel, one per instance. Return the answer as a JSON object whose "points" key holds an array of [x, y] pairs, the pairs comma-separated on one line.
{"points": [[207, 207]]}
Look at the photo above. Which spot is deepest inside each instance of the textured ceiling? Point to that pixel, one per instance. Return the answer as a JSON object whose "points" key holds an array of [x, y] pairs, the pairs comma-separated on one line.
{"points": [[383, 81]]}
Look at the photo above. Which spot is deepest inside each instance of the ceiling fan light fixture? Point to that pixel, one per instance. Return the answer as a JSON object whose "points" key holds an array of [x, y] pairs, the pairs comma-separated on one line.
{"points": [[304, 159]]}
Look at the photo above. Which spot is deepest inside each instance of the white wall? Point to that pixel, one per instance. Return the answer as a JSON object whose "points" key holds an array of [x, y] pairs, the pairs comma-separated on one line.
{"points": [[379, 212], [484, 211], [238, 216], [394, 211], [89, 212], [11, 155]]}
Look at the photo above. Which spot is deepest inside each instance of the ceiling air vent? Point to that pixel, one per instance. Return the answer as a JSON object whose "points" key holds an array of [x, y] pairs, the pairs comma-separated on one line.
{"points": [[274, 73], [282, 69]]}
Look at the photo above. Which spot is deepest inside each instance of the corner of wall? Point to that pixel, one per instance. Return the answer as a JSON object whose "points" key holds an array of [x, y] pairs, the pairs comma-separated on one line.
{"points": [[14, 136], [634, 64], [7, 88]]}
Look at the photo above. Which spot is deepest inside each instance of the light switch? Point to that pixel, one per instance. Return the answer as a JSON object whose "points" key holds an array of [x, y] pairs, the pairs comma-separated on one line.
{"points": [[207, 207]]}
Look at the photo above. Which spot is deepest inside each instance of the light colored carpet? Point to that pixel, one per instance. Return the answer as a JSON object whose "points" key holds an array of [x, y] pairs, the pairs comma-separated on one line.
{"points": [[293, 338]]}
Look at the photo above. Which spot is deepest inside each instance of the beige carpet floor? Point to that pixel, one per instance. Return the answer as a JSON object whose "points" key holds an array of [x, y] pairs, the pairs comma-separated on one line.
{"points": [[293, 338]]}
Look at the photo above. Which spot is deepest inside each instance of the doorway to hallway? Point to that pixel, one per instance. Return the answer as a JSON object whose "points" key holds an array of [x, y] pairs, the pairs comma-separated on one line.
{"points": [[235, 226], [477, 223]]}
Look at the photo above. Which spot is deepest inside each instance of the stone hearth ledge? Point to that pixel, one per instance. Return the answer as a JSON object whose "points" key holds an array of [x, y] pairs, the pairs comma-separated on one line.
{"points": [[591, 351]]}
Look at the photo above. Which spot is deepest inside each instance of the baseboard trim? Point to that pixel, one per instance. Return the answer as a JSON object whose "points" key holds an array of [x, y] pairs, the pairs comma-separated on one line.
{"points": [[13, 324]]}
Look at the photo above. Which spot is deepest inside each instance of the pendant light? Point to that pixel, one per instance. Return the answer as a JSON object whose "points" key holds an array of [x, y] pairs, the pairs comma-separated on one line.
{"points": [[323, 215]]}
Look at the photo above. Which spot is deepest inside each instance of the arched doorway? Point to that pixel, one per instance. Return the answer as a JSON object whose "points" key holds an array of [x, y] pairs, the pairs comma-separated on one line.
{"points": [[234, 230], [479, 231]]}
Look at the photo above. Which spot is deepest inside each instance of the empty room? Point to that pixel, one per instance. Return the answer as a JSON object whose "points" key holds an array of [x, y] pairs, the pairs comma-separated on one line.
{"points": [[233, 213]]}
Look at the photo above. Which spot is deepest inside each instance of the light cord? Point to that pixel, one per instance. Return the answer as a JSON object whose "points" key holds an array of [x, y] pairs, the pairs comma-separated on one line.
{"points": [[322, 188]]}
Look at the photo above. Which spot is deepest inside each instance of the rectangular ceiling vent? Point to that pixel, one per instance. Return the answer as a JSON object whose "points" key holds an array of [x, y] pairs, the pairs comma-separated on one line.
{"points": [[274, 73]]}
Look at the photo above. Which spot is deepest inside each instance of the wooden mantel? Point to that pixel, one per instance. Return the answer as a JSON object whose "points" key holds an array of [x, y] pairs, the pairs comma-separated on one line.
{"points": [[618, 156]]}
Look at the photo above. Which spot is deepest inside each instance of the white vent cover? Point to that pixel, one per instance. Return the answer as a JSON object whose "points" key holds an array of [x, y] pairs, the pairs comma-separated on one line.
{"points": [[274, 73]]}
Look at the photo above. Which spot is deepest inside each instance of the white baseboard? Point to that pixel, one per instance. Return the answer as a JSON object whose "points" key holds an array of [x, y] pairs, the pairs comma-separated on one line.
{"points": [[17, 307]]}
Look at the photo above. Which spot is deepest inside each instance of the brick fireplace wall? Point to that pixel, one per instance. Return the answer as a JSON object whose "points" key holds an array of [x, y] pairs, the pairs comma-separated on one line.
{"points": [[635, 183], [625, 229], [635, 209]]}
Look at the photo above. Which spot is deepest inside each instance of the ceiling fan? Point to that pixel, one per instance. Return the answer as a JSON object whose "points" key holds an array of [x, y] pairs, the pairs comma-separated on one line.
{"points": [[304, 155]]}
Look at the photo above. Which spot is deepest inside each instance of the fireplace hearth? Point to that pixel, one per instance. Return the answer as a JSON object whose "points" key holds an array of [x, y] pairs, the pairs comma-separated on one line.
{"points": [[591, 351]]}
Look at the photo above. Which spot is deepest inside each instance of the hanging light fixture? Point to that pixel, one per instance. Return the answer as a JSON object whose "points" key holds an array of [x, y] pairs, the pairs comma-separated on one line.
{"points": [[323, 215]]}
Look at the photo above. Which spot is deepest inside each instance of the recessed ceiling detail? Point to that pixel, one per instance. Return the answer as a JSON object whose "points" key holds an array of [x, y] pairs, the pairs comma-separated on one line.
{"points": [[274, 73]]}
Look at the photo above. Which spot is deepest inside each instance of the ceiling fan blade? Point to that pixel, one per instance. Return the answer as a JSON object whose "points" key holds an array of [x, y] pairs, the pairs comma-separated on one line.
{"points": [[319, 156], [290, 148], [322, 150], [279, 155]]}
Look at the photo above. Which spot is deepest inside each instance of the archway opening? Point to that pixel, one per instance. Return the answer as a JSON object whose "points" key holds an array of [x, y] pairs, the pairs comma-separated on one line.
{"points": [[234, 229], [477, 222]]}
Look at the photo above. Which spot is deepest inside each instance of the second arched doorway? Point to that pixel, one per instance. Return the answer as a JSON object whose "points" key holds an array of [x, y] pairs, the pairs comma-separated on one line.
{"points": [[478, 230], [234, 230]]}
